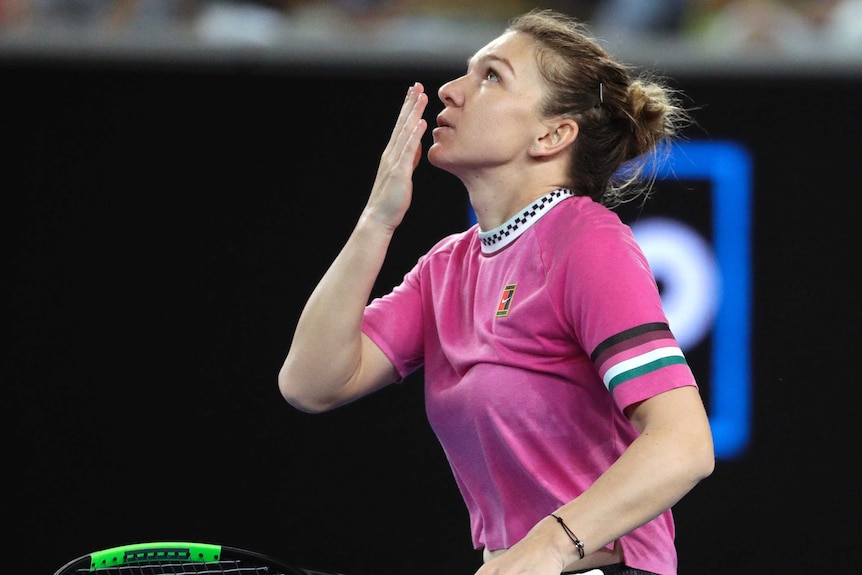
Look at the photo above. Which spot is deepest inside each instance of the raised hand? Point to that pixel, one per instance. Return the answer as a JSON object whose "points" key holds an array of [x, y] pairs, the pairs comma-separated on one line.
{"points": [[392, 191]]}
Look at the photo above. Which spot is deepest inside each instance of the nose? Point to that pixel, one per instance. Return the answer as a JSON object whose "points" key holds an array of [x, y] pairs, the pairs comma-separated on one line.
{"points": [[449, 93]]}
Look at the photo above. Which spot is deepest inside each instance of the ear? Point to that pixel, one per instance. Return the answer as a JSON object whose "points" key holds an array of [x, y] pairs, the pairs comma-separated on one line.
{"points": [[560, 135]]}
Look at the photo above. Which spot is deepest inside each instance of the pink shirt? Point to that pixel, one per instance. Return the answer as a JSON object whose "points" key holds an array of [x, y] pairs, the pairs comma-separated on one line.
{"points": [[534, 337]]}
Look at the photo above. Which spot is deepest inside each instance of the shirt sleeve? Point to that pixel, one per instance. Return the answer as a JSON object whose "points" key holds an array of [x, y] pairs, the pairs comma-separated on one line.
{"points": [[395, 323], [617, 314]]}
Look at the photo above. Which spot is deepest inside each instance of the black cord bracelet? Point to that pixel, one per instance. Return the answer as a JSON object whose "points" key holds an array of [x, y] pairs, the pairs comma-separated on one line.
{"points": [[579, 545]]}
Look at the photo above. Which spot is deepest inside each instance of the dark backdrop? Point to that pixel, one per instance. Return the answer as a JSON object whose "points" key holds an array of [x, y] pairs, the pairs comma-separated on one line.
{"points": [[165, 225]]}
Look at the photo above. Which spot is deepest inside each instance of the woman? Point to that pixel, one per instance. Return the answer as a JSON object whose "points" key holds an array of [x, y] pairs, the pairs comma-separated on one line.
{"points": [[566, 409]]}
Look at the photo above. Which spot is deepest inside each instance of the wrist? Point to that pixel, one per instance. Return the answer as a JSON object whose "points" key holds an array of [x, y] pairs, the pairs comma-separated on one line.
{"points": [[574, 541]]}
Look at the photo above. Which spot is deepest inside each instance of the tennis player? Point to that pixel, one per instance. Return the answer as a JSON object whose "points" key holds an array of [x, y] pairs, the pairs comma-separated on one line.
{"points": [[568, 413]]}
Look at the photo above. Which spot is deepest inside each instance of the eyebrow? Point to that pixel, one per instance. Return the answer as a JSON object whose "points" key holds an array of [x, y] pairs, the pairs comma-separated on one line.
{"points": [[493, 58]]}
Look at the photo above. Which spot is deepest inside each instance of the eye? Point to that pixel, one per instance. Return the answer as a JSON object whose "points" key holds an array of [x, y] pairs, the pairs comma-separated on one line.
{"points": [[491, 75]]}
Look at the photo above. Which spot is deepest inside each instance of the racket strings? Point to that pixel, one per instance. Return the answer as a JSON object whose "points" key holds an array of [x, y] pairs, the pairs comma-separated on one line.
{"points": [[170, 568]]}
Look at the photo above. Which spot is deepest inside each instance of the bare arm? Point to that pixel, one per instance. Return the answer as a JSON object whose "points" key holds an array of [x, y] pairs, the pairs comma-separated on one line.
{"points": [[673, 452], [330, 362]]}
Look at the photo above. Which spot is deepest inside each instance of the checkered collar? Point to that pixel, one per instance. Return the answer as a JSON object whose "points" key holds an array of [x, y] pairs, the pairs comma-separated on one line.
{"points": [[501, 236]]}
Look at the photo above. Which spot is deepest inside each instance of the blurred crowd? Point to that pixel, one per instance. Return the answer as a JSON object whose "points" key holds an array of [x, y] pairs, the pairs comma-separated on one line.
{"points": [[737, 25], [726, 25]]}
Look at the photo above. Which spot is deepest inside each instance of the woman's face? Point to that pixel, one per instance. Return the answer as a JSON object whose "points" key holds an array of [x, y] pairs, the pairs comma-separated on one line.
{"points": [[491, 114]]}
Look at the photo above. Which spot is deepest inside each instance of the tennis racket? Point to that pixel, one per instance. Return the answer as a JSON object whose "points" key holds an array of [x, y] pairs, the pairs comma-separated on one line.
{"points": [[179, 559]]}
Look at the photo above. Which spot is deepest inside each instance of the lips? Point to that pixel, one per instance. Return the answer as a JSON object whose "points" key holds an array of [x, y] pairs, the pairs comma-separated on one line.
{"points": [[442, 123]]}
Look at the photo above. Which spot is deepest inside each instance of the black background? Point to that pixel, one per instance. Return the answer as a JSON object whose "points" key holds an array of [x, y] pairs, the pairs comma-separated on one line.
{"points": [[165, 225]]}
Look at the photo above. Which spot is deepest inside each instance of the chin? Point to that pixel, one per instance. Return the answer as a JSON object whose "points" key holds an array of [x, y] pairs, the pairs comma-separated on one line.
{"points": [[436, 157]]}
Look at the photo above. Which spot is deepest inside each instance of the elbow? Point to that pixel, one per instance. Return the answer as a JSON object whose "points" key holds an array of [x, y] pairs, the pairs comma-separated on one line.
{"points": [[705, 466], [703, 459], [292, 390], [695, 458]]}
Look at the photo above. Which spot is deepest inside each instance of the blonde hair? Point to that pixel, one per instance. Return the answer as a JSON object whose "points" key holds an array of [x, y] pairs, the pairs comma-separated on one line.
{"points": [[623, 119]]}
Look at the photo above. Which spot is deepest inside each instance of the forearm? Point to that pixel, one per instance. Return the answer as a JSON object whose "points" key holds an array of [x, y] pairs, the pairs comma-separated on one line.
{"points": [[673, 452], [324, 364], [649, 478]]}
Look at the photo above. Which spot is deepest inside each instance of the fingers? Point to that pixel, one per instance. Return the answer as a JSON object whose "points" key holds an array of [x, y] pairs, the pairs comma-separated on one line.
{"points": [[409, 128], [392, 191], [415, 126]]}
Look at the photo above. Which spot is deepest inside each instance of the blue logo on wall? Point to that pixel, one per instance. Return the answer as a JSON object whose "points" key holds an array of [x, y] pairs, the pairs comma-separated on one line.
{"points": [[727, 168]]}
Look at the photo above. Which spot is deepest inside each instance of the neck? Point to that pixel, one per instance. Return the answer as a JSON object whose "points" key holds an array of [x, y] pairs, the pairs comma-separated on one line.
{"points": [[498, 193]]}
